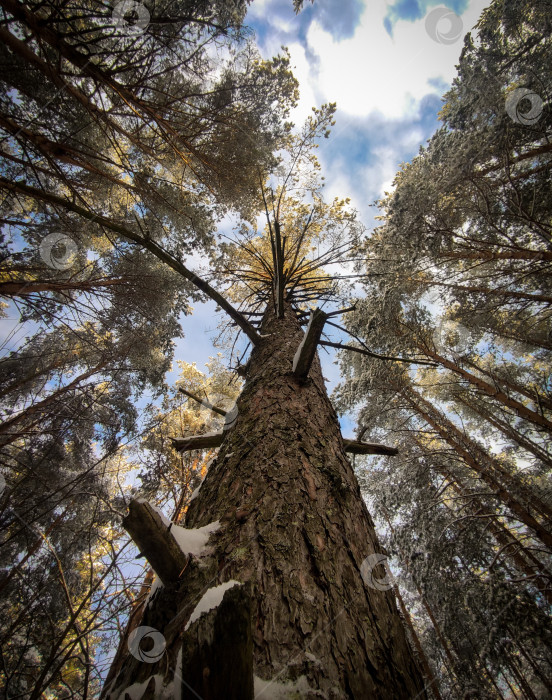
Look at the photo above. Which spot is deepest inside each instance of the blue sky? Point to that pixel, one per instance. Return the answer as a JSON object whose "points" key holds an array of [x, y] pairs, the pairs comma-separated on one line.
{"points": [[386, 64]]}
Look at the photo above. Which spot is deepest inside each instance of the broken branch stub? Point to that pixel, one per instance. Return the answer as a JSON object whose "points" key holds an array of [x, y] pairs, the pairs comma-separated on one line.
{"points": [[198, 442], [155, 541], [368, 448], [307, 349]]}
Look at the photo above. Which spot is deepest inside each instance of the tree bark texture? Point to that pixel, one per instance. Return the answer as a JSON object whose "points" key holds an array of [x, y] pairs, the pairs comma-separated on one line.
{"points": [[295, 529]]}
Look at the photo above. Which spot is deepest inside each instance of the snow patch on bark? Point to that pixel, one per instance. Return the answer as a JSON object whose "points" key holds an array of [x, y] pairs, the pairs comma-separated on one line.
{"points": [[313, 659], [274, 690], [210, 599], [194, 541], [155, 586], [173, 690], [136, 690], [195, 493]]}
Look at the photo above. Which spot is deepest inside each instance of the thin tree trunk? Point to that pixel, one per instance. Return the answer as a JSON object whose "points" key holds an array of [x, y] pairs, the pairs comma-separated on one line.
{"points": [[470, 289], [489, 389], [547, 682], [467, 450], [535, 397], [506, 428], [431, 680], [440, 636], [6, 428], [523, 559], [294, 528]]}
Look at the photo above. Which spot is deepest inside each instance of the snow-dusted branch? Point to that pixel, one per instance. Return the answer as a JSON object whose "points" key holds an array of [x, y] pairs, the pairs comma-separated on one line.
{"points": [[203, 402], [307, 349], [155, 541], [147, 243]]}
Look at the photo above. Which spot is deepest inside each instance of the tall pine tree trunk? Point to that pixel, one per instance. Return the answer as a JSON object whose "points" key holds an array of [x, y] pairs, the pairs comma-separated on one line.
{"points": [[293, 528]]}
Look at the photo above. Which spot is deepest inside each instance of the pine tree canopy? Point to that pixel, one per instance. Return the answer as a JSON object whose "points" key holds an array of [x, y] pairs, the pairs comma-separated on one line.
{"points": [[149, 164]]}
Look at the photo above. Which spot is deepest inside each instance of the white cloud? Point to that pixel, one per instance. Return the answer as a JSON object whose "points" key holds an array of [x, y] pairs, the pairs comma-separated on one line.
{"points": [[302, 71], [364, 183], [373, 72]]}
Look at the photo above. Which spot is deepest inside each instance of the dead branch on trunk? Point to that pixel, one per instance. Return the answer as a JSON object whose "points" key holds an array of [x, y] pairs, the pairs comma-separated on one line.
{"points": [[307, 349], [369, 353], [198, 442], [356, 447], [155, 541]]}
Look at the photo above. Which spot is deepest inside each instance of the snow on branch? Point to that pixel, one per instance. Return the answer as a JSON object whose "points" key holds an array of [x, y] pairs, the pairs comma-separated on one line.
{"points": [[155, 541], [368, 448], [148, 243], [198, 442], [203, 402], [307, 349]]}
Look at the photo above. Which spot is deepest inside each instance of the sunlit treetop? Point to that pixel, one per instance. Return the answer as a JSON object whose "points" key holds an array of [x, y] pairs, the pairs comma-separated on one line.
{"points": [[298, 249]]}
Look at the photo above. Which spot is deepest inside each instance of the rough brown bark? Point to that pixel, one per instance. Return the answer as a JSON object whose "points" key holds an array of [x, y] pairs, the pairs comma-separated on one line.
{"points": [[294, 528]]}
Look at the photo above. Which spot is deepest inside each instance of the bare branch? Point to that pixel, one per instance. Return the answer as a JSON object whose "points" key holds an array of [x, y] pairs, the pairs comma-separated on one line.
{"points": [[155, 541], [198, 442], [368, 448], [369, 353], [147, 243], [203, 402], [307, 349]]}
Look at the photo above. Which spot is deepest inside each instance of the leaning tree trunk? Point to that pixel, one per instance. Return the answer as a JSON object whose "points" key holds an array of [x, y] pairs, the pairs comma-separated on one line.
{"points": [[295, 531]]}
